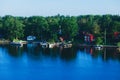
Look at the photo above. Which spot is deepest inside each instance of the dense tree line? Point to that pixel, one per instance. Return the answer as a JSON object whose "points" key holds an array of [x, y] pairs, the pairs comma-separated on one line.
{"points": [[51, 27]]}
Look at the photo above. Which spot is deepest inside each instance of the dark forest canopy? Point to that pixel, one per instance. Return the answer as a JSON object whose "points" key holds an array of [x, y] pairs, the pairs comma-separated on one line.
{"points": [[51, 27]]}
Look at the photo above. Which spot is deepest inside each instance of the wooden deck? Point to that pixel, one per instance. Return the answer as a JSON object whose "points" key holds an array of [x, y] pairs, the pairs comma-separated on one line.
{"points": [[104, 46]]}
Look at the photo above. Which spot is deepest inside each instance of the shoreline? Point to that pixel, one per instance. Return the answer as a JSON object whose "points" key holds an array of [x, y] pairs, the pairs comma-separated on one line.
{"points": [[4, 42], [73, 44]]}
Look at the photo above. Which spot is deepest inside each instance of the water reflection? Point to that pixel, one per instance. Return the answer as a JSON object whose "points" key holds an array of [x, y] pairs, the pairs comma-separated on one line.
{"points": [[14, 51], [32, 62], [105, 54], [67, 54], [110, 54]]}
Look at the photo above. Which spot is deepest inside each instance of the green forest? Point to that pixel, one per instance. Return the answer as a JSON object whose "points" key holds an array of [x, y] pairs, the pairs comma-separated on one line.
{"points": [[71, 28]]}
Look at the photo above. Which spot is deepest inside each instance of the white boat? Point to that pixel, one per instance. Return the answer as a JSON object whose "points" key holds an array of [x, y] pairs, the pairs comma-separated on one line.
{"points": [[44, 44], [99, 47], [16, 44], [52, 45]]}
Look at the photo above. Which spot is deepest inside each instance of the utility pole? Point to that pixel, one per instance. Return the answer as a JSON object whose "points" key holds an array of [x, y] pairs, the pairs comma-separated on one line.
{"points": [[105, 36]]}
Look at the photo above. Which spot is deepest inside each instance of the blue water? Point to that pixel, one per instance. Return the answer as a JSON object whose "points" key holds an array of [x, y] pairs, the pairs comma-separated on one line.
{"points": [[35, 63]]}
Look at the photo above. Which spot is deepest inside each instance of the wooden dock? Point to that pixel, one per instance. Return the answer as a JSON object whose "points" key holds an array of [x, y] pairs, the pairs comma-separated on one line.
{"points": [[20, 43], [102, 46]]}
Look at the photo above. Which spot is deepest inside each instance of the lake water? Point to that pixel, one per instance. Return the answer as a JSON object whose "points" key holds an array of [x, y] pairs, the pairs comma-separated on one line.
{"points": [[31, 62]]}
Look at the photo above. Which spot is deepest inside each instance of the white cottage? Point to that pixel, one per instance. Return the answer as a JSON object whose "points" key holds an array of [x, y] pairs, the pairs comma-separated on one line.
{"points": [[31, 38]]}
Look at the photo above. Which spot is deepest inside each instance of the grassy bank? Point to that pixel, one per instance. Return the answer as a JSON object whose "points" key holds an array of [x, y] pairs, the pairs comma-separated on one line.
{"points": [[4, 41]]}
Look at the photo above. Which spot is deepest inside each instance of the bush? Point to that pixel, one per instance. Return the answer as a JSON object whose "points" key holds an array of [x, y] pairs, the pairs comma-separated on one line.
{"points": [[51, 40], [98, 41], [118, 44], [15, 40]]}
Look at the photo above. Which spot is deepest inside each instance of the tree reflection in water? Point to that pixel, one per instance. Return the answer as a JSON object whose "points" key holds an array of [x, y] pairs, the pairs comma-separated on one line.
{"points": [[106, 53], [67, 54], [15, 51]]}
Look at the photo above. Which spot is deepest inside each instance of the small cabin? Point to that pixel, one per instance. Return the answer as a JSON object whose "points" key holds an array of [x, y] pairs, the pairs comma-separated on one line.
{"points": [[31, 38]]}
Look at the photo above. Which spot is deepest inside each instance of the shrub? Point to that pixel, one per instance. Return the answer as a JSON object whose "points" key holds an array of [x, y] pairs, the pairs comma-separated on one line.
{"points": [[118, 44], [98, 41]]}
